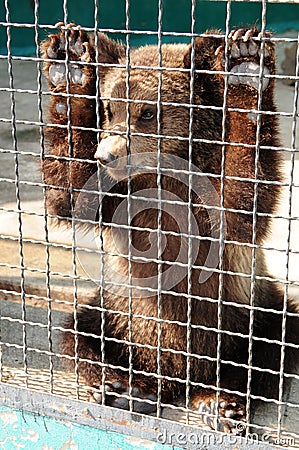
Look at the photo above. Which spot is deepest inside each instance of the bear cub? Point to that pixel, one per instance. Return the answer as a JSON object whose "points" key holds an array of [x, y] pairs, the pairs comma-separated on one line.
{"points": [[169, 158]]}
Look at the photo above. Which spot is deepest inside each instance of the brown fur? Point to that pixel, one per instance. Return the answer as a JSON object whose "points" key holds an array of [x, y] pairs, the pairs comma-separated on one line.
{"points": [[66, 176]]}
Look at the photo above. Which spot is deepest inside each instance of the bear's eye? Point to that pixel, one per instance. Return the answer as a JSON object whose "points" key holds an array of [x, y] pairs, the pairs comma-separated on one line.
{"points": [[148, 114], [110, 115]]}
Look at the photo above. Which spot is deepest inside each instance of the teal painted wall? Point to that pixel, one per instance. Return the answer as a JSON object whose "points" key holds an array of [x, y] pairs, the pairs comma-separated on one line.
{"points": [[176, 17], [19, 429]]}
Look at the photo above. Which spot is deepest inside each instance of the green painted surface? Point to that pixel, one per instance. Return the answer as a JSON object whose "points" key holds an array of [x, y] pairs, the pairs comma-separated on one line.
{"points": [[22, 430], [143, 16]]}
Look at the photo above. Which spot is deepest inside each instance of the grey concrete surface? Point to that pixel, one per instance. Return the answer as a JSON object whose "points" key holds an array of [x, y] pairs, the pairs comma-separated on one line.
{"points": [[30, 336], [28, 140]]}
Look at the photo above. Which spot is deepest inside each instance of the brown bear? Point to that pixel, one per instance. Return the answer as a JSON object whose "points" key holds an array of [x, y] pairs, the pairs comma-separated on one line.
{"points": [[169, 153]]}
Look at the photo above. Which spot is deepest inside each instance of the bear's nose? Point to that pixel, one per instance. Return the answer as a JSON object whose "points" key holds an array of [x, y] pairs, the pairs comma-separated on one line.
{"points": [[105, 157]]}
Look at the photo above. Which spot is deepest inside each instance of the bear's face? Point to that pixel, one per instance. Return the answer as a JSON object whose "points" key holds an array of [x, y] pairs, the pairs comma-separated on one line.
{"points": [[156, 117]]}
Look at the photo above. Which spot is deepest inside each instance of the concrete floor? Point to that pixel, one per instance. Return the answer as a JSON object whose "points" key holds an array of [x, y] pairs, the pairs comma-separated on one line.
{"points": [[38, 310]]}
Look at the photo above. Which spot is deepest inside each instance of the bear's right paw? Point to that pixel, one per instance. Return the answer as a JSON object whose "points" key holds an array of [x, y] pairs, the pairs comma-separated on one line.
{"points": [[72, 42], [231, 416], [244, 58], [117, 395]]}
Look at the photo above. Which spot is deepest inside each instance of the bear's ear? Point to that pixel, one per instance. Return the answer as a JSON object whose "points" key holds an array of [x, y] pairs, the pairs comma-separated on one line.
{"points": [[109, 51], [204, 51]]}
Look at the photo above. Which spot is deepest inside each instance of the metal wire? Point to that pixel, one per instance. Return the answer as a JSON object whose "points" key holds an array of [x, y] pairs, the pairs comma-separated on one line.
{"points": [[159, 218], [254, 221], [288, 251], [72, 201], [49, 297], [128, 144], [17, 187], [46, 226], [222, 217], [101, 240], [190, 190]]}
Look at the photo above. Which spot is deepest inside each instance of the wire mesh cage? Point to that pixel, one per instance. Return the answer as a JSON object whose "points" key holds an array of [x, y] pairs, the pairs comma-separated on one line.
{"points": [[148, 221]]}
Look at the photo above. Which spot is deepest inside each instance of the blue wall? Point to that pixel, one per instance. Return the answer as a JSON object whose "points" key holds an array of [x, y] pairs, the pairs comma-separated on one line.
{"points": [[176, 17], [19, 429]]}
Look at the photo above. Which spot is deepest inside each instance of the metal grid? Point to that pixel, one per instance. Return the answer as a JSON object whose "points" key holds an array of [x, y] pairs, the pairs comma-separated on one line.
{"points": [[43, 281]]}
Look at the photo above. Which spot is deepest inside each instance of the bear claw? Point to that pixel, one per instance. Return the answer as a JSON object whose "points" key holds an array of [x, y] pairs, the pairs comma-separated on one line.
{"points": [[242, 46], [231, 416], [78, 50]]}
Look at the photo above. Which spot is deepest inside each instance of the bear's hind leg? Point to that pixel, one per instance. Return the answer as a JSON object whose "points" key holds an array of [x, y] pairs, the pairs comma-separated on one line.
{"points": [[83, 343], [118, 393]]}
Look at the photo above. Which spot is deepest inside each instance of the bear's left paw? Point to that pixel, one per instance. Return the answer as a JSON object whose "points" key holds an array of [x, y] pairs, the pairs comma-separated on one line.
{"points": [[244, 58], [117, 395], [72, 43]]}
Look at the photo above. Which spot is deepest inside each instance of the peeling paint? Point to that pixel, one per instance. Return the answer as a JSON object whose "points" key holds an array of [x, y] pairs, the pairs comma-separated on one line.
{"points": [[24, 430], [140, 443], [70, 445], [8, 418], [30, 436]]}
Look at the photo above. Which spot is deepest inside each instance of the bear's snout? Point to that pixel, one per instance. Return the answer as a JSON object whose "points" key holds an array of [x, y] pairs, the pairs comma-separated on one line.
{"points": [[110, 149]]}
